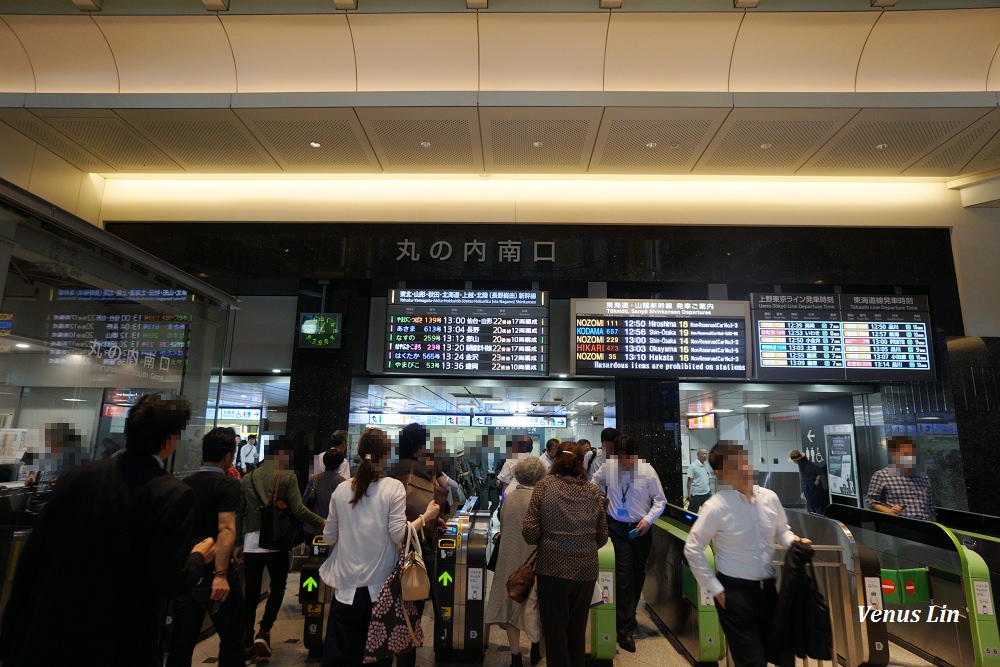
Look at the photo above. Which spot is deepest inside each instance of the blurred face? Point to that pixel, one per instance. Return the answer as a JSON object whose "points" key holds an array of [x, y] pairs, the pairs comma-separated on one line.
{"points": [[906, 455], [438, 446], [627, 461], [702, 456], [736, 471], [284, 459]]}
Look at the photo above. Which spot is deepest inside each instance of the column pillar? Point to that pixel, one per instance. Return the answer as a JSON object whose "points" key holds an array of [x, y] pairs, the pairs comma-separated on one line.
{"points": [[649, 411]]}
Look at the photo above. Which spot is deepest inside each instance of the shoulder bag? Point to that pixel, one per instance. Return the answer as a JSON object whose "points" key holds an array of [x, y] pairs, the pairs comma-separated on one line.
{"points": [[414, 583], [279, 528], [522, 579]]}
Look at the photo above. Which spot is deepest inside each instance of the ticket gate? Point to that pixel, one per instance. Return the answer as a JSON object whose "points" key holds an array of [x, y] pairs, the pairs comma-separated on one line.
{"points": [[602, 642], [460, 585], [314, 595]]}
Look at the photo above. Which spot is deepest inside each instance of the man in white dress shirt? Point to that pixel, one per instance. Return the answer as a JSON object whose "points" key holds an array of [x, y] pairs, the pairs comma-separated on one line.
{"points": [[339, 441], [745, 521], [635, 501], [549, 454], [519, 447]]}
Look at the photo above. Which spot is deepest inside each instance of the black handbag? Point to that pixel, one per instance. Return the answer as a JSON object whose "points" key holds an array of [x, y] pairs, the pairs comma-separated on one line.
{"points": [[495, 554], [279, 528]]}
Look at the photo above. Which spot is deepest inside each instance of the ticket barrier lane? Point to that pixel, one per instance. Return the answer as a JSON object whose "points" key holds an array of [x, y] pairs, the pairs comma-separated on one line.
{"points": [[460, 585], [314, 595], [866, 639], [939, 599], [685, 615]]}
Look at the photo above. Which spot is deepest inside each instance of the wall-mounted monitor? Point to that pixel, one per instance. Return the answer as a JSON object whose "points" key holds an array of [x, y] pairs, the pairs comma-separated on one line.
{"points": [[842, 337], [467, 332], [659, 338], [705, 421]]}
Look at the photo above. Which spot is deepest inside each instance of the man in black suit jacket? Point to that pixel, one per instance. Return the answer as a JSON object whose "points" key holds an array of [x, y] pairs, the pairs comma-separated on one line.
{"points": [[111, 545]]}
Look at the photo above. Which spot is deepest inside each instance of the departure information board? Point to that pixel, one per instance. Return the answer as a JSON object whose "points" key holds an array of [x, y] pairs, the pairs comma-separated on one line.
{"points": [[467, 332], [675, 339], [842, 337]]}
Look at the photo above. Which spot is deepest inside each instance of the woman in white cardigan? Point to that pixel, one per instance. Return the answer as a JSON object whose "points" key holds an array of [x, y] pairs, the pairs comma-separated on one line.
{"points": [[366, 523]]}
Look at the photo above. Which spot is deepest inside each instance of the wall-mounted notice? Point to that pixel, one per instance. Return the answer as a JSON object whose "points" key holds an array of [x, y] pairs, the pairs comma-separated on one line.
{"points": [[659, 338]]}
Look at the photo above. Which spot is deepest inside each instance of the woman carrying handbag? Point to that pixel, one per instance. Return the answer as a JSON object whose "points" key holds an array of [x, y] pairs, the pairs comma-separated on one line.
{"points": [[365, 526]]}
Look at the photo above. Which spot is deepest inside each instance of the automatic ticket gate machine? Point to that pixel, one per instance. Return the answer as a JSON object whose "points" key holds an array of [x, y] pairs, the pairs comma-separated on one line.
{"points": [[939, 589], [676, 603], [314, 595], [460, 586], [602, 639]]}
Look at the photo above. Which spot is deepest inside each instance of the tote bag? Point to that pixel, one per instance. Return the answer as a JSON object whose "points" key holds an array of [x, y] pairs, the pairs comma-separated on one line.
{"points": [[395, 624]]}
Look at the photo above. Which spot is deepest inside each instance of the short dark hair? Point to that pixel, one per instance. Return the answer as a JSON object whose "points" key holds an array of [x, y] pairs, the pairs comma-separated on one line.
{"points": [[332, 459], [152, 421], [252, 435], [625, 445], [895, 443], [569, 460], [521, 443], [722, 450], [217, 443], [584, 442], [550, 444], [338, 438], [609, 434], [412, 439]]}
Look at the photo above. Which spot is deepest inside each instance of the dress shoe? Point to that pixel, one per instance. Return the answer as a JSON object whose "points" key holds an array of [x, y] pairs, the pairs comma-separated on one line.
{"points": [[515, 660], [627, 643]]}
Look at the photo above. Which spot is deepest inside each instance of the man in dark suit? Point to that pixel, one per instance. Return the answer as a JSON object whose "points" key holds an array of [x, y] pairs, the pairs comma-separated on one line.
{"points": [[113, 542]]}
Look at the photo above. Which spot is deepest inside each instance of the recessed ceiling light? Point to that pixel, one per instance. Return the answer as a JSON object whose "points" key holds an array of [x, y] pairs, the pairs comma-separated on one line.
{"points": [[765, 146], [587, 403], [756, 405], [721, 410], [22, 345], [314, 144], [76, 400], [563, 376], [425, 144], [493, 400], [651, 144], [275, 370], [675, 144], [536, 144], [881, 146], [497, 410], [571, 412], [696, 414], [423, 409], [243, 395]]}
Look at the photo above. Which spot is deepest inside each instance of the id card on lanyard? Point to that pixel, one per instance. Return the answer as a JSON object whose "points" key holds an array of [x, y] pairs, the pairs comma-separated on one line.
{"points": [[622, 511]]}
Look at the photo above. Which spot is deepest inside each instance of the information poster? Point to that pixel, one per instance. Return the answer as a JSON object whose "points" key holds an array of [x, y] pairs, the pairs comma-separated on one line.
{"points": [[676, 339], [840, 459], [455, 332]]}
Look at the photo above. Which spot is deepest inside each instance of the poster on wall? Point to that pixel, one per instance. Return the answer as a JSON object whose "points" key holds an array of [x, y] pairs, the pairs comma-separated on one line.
{"points": [[841, 464]]}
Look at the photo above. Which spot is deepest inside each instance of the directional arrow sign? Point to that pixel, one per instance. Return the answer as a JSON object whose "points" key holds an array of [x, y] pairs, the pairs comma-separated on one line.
{"points": [[309, 584], [811, 435], [445, 579]]}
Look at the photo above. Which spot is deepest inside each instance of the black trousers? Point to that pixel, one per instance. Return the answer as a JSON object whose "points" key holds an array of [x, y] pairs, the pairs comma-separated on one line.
{"points": [[254, 564], [697, 501], [746, 619], [227, 617], [563, 605], [630, 572], [347, 632]]}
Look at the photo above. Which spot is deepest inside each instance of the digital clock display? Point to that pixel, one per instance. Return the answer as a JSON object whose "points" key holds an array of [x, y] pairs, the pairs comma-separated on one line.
{"points": [[660, 338], [467, 332]]}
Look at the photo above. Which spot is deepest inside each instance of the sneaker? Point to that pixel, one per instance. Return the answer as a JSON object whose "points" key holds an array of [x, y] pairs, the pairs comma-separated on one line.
{"points": [[262, 644], [248, 655]]}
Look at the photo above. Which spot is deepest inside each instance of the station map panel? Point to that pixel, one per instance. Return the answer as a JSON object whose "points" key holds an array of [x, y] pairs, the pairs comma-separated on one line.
{"points": [[655, 338], [467, 332], [842, 337]]}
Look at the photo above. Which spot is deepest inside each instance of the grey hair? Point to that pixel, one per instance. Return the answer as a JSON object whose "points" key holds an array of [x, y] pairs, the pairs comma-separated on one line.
{"points": [[702, 449], [530, 470]]}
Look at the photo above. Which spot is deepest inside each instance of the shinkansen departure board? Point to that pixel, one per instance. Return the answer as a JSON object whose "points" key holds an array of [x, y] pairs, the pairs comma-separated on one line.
{"points": [[842, 337], [467, 332], [660, 338]]}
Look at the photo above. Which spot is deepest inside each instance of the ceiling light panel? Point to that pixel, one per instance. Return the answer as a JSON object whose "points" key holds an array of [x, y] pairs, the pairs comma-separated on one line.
{"points": [[106, 135], [909, 135], [645, 140], [566, 137], [397, 135], [288, 135]]}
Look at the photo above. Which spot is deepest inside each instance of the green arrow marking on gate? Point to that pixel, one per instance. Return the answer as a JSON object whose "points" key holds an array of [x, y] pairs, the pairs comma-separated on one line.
{"points": [[309, 584], [445, 579]]}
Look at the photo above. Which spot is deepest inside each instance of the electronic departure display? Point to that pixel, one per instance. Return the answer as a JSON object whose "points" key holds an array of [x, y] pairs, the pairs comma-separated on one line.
{"points": [[467, 332], [674, 339], [843, 337]]}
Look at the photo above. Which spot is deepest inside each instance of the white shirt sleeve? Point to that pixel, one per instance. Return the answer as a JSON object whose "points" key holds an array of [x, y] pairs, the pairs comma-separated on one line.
{"points": [[332, 529], [599, 478], [397, 513], [783, 534], [699, 538], [656, 493]]}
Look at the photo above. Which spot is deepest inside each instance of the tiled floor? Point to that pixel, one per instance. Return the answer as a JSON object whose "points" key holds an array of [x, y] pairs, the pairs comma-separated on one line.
{"points": [[653, 650]]}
